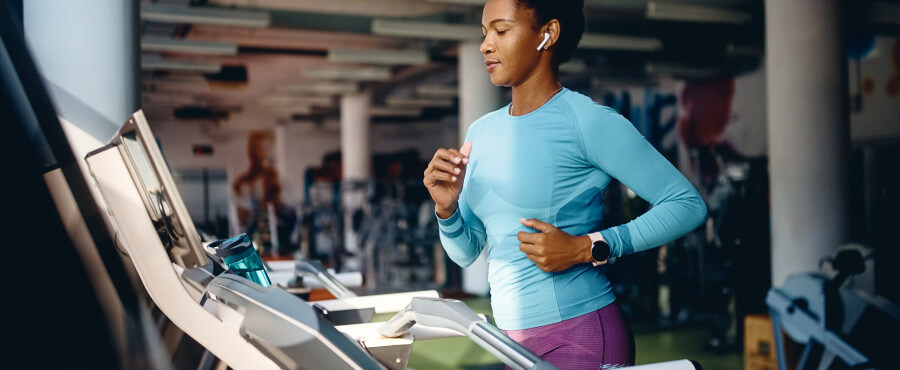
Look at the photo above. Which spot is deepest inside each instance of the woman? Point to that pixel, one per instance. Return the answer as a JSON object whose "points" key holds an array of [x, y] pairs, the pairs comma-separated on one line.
{"points": [[529, 182]]}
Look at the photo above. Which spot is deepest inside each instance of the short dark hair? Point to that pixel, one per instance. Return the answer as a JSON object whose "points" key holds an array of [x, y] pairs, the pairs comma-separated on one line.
{"points": [[569, 13]]}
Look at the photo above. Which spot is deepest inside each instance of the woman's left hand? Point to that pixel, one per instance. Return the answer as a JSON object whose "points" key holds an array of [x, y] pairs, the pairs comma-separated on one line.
{"points": [[552, 249]]}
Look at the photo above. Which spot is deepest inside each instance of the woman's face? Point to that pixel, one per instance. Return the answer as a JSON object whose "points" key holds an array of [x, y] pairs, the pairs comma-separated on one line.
{"points": [[510, 42]]}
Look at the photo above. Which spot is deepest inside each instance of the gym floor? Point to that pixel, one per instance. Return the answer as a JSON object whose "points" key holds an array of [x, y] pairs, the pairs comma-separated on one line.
{"points": [[652, 346]]}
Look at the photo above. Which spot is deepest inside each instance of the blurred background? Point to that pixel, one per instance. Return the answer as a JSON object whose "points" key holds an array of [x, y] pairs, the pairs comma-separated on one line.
{"points": [[308, 124]]}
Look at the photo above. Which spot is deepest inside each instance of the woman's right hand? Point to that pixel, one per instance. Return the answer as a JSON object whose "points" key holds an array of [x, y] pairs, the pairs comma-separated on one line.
{"points": [[444, 178]]}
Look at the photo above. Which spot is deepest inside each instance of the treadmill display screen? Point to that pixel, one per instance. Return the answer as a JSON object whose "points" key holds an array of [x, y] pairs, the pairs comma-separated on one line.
{"points": [[157, 190]]}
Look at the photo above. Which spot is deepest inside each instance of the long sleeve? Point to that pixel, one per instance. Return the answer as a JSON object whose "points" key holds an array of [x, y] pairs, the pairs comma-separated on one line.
{"points": [[613, 144], [462, 234]]}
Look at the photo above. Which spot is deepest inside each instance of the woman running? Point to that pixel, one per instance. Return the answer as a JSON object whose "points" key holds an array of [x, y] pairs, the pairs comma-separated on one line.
{"points": [[529, 181]]}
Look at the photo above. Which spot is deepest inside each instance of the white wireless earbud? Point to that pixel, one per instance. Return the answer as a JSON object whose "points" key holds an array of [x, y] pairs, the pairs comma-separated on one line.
{"points": [[546, 38]]}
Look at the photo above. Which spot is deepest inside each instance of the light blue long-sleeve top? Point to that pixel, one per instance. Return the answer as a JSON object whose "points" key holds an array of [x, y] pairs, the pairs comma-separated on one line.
{"points": [[554, 164]]}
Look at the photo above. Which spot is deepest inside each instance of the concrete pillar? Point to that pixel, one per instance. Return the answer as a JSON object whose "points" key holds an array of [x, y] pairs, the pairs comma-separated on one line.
{"points": [[356, 152], [356, 158], [477, 96], [89, 53], [808, 132]]}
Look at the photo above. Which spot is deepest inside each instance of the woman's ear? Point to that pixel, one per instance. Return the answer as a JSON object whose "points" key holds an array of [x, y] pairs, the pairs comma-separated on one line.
{"points": [[552, 27]]}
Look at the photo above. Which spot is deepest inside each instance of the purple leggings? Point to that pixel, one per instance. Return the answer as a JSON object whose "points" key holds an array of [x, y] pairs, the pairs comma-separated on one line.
{"points": [[600, 339]]}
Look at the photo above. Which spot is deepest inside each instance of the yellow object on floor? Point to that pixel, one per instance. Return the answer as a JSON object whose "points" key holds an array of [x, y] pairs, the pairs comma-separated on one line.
{"points": [[759, 343]]}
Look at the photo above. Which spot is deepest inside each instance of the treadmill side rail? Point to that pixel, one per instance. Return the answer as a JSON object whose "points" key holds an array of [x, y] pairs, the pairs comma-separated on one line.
{"points": [[315, 269], [287, 329]]}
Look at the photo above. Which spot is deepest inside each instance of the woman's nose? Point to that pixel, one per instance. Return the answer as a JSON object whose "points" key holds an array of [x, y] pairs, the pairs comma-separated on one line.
{"points": [[487, 46]]}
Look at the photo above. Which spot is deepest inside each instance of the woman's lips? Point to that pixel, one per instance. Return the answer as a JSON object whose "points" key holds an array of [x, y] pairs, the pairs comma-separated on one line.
{"points": [[490, 65]]}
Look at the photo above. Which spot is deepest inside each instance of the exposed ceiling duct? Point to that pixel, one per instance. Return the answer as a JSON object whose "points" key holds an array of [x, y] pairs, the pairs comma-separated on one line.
{"points": [[295, 101], [348, 73], [400, 102], [378, 56], [173, 45], [426, 30], [327, 88], [173, 13], [394, 112], [693, 13], [158, 63], [437, 91], [393, 8]]}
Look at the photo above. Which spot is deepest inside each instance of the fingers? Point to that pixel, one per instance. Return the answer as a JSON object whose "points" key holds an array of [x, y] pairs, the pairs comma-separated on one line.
{"points": [[443, 167], [439, 176], [528, 248], [540, 262], [447, 155], [456, 154], [447, 167], [466, 148], [537, 225], [532, 238]]}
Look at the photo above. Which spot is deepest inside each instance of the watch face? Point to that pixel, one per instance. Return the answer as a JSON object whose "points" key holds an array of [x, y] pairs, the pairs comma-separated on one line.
{"points": [[600, 251]]}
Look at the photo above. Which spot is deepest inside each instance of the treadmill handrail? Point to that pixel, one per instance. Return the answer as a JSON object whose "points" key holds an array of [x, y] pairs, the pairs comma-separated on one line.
{"points": [[456, 315], [328, 280], [382, 303]]}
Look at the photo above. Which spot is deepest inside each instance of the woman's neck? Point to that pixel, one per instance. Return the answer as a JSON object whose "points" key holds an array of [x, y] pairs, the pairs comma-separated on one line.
{"points": [[534, 92]]}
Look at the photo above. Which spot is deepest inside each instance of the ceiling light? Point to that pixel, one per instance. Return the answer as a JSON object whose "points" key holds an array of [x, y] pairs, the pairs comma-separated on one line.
{"points": [[173, 13], [321, 88], [394, 112], [292, 110], [155, 63], [395, 102], [281, 100], [168, 44], [348, 73], [426, 30], [615, 42], [169, 99], [693, 13], [437, 91], [385, 57]]}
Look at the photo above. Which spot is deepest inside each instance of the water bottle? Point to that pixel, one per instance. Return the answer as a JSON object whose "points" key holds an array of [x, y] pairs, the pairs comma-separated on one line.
{"points": [[241, 258]]}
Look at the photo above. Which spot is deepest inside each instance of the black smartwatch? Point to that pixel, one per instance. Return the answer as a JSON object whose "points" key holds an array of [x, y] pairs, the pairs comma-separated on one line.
{"points": [[599, 252]]}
